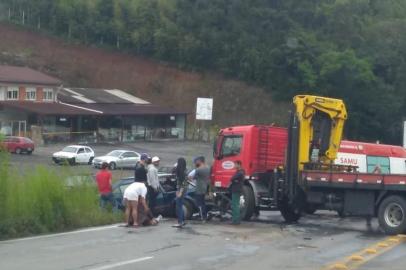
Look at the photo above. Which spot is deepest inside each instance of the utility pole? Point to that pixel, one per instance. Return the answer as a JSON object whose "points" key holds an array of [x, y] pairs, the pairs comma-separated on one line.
{"points": [[23, 17]]}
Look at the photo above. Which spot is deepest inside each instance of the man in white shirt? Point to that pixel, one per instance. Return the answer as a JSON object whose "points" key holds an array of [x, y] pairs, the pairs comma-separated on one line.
{"points": [[153, 182], [135, 198]]}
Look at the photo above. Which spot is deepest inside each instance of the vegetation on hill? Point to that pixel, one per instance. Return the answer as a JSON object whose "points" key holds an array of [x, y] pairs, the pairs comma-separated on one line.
{"points": [[351, 49]]}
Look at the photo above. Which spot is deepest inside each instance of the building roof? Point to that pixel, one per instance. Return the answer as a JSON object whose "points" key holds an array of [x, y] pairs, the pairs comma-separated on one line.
{"points": [[45, 108], [60, 108], [100, 96], [88, 101], [24, 75]]}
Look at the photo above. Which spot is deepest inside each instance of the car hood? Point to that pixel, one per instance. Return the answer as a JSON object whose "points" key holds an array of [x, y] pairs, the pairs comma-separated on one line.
{"points": [[62, 154], [105, 159]]}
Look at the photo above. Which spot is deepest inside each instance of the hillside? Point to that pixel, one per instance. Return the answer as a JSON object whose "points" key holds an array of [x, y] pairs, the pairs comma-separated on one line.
{"points": [[81, 66]]}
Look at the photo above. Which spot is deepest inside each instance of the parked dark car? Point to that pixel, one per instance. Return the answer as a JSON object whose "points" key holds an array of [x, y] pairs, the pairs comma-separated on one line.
{"points": [[165, 204], [18, 145]]}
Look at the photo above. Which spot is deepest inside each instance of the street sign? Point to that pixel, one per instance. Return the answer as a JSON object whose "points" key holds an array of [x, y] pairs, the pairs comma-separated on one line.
{"points": [[204, 109]]}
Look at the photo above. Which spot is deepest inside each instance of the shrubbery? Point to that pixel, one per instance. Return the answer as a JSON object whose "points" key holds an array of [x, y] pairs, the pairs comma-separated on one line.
{"points": [[40, 202]]}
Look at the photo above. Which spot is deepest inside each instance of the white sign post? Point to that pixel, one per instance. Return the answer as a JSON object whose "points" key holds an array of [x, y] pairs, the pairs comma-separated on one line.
{"points": [[204, 112], [204, 109], [404, 134]]}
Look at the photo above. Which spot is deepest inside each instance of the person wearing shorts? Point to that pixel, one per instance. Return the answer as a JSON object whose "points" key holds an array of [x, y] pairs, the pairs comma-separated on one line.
{"points": [[135, 198]]}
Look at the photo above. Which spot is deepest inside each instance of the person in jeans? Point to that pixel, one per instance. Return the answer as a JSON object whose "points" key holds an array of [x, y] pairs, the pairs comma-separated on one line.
{"points": [[103, 179], [181, 188], [202, 178], [153, 183], [237, 181]]}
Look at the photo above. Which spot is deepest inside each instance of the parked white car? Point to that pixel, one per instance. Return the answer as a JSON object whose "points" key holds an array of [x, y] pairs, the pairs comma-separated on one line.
{"points": [[74, 154], [118, 159]]}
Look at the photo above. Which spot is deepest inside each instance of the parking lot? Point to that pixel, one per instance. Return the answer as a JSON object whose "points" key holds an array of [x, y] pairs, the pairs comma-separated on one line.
{"points": [[319, 241], [167, 151]]}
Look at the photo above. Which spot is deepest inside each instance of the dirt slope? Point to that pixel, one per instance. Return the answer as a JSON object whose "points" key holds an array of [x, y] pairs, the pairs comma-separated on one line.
{"points": [[81, 66]]}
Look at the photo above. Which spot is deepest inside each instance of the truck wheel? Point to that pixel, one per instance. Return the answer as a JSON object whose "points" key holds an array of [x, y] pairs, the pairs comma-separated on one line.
{"points": [[290, 214], [392, 215], [247, 205]]}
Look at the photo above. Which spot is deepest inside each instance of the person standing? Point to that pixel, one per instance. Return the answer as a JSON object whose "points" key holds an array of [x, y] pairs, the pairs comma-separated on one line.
{"points": [[202, 178], [140, 174], [237, 181], [134, 195], [181, 188], [153, 183], [103, 179]]}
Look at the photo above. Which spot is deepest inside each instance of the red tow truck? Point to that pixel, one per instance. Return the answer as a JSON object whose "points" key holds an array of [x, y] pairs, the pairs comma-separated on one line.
{"points": [[296, 170]]}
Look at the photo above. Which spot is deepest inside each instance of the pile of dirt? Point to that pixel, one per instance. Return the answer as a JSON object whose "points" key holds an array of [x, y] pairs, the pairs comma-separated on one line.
{"points": [[81, 66]]}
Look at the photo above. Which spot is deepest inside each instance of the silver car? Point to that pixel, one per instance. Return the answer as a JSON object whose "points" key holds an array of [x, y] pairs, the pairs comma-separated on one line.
{"points": [[118, 159]]}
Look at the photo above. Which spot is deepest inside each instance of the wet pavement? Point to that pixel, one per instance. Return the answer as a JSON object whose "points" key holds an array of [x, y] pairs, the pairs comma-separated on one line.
{"points": [[317, 242]]}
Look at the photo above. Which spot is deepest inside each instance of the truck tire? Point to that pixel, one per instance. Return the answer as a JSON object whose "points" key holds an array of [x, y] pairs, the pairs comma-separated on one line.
{"points": [[248, 207], [392, 215], [289, 214]]}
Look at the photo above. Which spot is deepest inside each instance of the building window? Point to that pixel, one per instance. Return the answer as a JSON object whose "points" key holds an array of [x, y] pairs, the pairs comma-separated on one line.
{"points": [[12, 93], [48, 94], [30, 94]]}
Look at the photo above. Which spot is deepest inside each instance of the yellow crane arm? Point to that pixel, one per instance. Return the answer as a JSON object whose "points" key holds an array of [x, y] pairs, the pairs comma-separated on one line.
{"points": [[321, 123]]}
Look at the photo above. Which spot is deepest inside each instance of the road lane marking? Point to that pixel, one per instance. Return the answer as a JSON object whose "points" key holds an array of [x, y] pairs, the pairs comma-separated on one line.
{"points": [[93, 229], [119, 264], [360, 258]]}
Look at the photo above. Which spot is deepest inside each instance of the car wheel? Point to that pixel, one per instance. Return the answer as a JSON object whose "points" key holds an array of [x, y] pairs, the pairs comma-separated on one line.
{"points": [[29, 152], [18, 151], [187, 210], [392, 215], [90, 161], [72, 161], [113, 166]]}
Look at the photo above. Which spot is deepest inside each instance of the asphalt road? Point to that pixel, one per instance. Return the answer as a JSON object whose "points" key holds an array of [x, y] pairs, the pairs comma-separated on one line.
{"points": [[317, 242], [321, 241]]}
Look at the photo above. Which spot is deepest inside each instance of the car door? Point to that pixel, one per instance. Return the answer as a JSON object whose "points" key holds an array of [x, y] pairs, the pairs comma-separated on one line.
{"points": [[130, 159], [81, 156], [89, 154]]}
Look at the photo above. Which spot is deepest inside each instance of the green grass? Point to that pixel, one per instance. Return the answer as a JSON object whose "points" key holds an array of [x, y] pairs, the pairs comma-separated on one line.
{"points": [[40, 202]]}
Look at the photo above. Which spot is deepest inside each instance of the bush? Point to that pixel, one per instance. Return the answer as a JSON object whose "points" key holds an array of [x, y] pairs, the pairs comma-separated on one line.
{"points": [[41, 202]]}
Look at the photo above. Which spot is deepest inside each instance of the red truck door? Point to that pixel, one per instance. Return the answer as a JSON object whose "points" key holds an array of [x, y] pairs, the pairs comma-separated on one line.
{"points": [[229, 150]]}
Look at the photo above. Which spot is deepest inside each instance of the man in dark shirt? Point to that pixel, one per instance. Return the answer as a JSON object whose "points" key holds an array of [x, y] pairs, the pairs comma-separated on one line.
{"points": [[237, 182], [141, 170]]}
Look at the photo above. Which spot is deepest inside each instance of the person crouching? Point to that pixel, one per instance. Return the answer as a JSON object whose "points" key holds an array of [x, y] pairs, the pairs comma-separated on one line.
{"points": [[137, 212]]}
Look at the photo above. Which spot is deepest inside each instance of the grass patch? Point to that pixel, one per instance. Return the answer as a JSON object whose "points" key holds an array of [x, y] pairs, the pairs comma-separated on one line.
{"points": [[41, 202]]}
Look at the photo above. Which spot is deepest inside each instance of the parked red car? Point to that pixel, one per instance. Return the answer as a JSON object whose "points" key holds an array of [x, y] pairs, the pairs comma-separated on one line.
{"points": [[18, 145]]}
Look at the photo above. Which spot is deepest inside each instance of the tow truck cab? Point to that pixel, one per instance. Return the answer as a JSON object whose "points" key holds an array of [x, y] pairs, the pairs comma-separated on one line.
{"points": [[259, 148]]}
